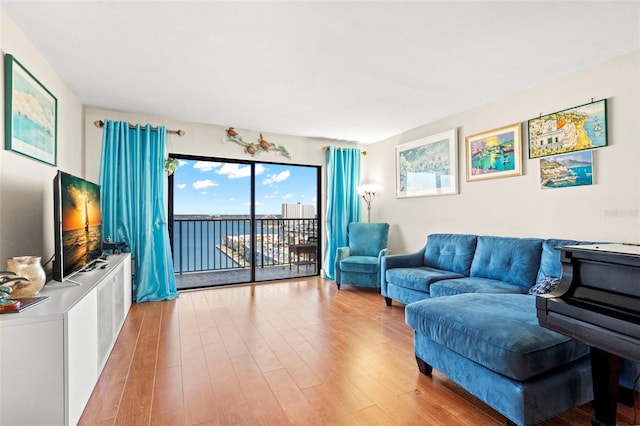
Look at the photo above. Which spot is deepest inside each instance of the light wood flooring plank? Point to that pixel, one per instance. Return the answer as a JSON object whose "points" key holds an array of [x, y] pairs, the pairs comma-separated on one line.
{"points": [[291, 352]]}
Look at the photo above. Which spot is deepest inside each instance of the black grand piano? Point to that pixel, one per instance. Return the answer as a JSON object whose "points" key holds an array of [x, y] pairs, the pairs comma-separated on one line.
{"points": [[598, 302]]}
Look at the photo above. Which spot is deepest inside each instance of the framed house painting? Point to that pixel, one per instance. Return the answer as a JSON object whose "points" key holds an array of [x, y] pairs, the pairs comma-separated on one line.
{"points": [[574, 129], [31, 114], [428, 166], [494, 154]]}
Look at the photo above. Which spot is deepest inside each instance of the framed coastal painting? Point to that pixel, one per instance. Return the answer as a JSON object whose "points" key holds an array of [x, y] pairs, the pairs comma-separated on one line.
{"points": [[566, 170], [494, 154], [31, 114], [428, 166], [574, 129]]}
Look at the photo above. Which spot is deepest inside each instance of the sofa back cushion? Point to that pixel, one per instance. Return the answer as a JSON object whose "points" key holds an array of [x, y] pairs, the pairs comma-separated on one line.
{"points": [[514, 260], [550, 264], [450, 252]]}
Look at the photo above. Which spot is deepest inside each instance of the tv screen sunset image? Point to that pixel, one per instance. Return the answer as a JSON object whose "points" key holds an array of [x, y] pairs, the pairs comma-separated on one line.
{"points": [[81, 222]]}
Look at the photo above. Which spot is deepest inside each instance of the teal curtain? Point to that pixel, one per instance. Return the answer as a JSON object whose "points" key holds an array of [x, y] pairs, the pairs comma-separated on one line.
{"points": [[133, 204], [343, 201]]}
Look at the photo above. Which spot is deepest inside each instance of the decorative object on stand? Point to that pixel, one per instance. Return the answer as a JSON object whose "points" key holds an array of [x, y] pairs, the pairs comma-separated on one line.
{"points": [[574, 129], [254, 148], [428, 166], [30, 269], [6, 287], [494, 154], [561, 171], [31, 114], [170, 165], [368, 194]]}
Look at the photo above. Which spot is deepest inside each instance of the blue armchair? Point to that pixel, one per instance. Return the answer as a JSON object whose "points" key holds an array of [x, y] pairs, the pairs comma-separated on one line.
{"points": [[359, 263]]}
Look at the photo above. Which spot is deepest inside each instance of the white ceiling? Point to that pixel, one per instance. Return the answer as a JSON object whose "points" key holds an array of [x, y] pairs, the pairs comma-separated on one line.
{"points": [[356, 71]]}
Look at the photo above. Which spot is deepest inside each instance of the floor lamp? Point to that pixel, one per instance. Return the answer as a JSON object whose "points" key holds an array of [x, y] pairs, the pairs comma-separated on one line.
{"points": [[368, 194]]}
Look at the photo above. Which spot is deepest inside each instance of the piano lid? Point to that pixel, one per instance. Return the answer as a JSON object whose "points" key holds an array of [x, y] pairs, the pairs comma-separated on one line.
{"points": [[625, 248]]}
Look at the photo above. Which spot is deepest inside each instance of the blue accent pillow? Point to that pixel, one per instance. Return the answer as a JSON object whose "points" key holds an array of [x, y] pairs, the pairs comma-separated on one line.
{"points": [[545, 285]]}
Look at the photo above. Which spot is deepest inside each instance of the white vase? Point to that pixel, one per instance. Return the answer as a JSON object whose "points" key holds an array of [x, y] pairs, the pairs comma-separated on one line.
{"points": [[28, 267]]}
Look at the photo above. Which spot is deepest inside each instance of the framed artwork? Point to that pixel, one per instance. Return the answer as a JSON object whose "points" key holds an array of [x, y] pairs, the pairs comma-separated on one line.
{"points": [[565, 170], [574, 129], [31, 114], [428, 166], [494, 154]]}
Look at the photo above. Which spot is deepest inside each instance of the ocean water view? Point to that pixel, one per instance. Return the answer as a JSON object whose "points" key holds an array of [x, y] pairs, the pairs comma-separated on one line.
{"points": [[216, 244]]}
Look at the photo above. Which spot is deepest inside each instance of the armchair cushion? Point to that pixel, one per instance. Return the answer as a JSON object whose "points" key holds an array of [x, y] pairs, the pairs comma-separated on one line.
{"points": [[361, 264], [367, 239]]}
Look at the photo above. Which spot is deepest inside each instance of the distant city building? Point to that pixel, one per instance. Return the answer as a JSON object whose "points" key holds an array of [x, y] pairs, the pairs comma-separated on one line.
{"points": [[298, 211]]}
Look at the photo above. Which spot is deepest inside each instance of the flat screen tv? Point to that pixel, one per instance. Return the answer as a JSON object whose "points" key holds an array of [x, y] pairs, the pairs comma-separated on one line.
{"points": [[78, 225]]}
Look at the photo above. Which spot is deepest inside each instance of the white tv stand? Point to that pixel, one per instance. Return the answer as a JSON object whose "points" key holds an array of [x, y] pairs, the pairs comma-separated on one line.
{"points": [[52, 354]]}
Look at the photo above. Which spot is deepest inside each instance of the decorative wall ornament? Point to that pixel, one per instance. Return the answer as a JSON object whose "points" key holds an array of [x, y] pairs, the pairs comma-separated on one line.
{"points": [[254, 148]]}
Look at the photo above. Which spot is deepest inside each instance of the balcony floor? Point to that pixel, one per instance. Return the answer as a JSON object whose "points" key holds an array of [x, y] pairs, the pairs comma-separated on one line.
{"points": [[242, 276]]}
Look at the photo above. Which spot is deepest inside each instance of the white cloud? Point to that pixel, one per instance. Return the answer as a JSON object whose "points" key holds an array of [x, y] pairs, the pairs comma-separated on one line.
{"points": [[237, 171], [204, 193], [201, 184], [287, 196], [280, 177], [206, 166], [234, 171], [181, 185]]}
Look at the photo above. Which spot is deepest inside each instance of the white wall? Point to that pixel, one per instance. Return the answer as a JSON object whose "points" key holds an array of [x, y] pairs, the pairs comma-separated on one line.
{"points": [[204, 140], [609, 210], [26, 185]]}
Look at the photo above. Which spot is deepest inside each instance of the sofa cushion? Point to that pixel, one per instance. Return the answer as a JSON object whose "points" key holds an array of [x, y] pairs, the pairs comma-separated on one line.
{"points": [[544, 286], [473, 285], [514, 260], [419, 278], [550, 264], [498, 331], [450, 252], [363, 264]]}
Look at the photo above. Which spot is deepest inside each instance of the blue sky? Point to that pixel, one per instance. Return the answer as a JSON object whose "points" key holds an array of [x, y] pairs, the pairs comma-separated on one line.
{"points": [[208, 187]]}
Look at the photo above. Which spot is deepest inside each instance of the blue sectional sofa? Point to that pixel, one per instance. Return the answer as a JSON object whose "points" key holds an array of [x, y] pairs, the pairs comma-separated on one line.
{"points": [[469, 304]]}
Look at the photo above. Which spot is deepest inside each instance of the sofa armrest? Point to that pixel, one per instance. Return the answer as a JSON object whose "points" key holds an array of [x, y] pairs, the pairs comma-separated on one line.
{"points": [[410, 260]]}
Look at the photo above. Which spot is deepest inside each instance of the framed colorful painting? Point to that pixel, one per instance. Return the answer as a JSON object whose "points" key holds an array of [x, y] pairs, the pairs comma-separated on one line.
{"points": [[574, 129], [494, 154], [428, 166], [565, 170], [31, 114]]}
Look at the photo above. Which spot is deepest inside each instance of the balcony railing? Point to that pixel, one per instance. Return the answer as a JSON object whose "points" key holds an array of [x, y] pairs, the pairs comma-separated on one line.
{"points": [[202, 245]]}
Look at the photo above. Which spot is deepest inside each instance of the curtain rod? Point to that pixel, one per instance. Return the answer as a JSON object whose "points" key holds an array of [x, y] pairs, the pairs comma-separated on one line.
{"points": [[326, 148], [179, 132]]}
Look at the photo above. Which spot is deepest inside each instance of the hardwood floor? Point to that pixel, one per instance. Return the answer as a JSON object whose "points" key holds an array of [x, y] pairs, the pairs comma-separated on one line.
{"points": [[289, 352]]}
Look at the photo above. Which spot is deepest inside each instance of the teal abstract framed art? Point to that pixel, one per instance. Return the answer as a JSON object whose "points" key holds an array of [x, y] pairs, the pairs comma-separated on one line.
{"points": [[31, 114], [428, 166]]}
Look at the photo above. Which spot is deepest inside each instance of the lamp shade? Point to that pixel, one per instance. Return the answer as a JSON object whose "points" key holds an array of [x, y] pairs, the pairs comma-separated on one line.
{"points": [[368, 187]]}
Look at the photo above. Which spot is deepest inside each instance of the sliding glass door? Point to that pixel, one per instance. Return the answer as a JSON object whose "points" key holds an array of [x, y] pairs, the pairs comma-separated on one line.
{"points": [[235, 222]]}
